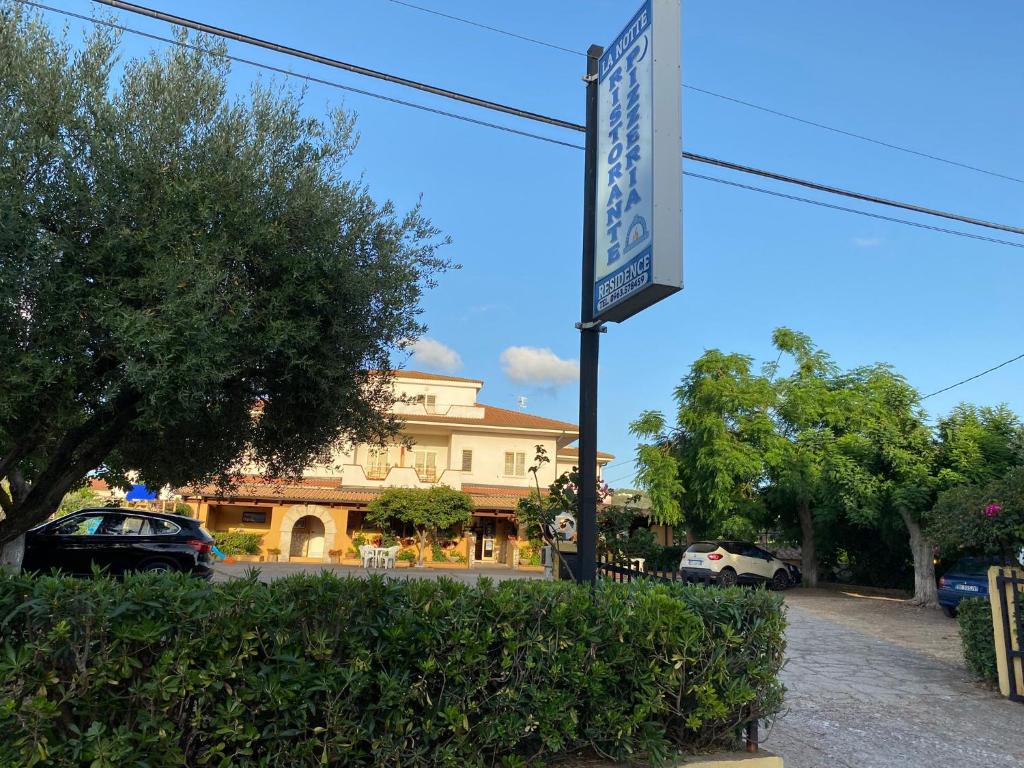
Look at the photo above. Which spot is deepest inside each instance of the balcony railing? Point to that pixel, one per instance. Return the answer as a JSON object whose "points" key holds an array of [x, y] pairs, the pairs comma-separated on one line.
{"points": [[427, 475], [377, 473]]}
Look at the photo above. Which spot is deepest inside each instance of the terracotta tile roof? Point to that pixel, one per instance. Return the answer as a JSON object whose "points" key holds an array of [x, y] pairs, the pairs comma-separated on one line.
{"points": [[518, 492], [574, 453], [254, 489], [433, 377], [499, 417]]}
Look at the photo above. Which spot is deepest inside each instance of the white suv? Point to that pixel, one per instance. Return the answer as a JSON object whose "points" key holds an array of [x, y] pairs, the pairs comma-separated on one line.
{"points": [[736, 562]]}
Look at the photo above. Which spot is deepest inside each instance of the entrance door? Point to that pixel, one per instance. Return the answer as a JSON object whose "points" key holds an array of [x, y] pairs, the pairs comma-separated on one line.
{"points": [[307, 538], [485, 550]]}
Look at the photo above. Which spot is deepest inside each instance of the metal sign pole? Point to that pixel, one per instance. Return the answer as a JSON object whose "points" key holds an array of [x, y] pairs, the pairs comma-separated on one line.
{"points": [[590, 336]]}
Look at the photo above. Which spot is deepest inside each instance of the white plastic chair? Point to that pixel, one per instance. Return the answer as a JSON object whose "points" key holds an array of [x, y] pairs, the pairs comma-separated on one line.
{"points": [[387, 557], [368, 554], [638, 563]]}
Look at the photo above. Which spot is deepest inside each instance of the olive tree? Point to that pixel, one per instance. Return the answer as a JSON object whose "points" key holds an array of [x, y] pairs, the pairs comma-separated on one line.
{"points": [[189, 282]]}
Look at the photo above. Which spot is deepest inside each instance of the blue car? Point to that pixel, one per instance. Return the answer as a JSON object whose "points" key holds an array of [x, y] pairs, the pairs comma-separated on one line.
{"points": [[967, 578]]}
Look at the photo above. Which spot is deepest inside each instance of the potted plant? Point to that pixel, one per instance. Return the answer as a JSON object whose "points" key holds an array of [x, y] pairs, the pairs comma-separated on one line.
{"points": [[335, 555], [272, 554]]}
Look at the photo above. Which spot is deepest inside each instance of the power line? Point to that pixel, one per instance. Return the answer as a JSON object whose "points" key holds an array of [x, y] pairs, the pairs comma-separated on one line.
{"points": [[975, 376], [849, 193], [853, 135], [845, 209], [484, 123], [733, 99], [631, 476], [299, 75], [238, 37], [496, 106], [477, 24]]}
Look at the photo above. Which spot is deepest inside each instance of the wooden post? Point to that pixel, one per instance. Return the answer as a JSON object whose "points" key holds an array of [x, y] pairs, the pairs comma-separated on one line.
{"points": [[1006, 596]]}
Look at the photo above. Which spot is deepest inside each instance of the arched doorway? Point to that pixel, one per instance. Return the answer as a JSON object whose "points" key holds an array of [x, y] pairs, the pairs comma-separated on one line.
{"points": [[307, 531], [307, 538]]}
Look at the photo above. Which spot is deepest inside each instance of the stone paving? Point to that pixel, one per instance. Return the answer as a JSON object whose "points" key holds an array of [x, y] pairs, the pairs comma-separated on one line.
{"points": [[858, 700]]}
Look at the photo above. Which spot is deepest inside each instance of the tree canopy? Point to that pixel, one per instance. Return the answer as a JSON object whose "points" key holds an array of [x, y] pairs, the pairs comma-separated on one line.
{"points": [[427, 510], [188, 280], [843, 455]]}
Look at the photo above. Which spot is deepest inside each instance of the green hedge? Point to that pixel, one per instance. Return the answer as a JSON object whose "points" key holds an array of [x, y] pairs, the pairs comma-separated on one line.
{"points": [[974, 616], [238, 542], [164, 670]]}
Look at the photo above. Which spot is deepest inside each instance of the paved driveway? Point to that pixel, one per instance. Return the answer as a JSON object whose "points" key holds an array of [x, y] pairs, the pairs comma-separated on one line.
{"points": [[875, 683]]}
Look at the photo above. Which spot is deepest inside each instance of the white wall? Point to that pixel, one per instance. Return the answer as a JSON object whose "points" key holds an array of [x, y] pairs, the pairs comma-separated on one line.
{"points": [[447, 392], [489, 457]]}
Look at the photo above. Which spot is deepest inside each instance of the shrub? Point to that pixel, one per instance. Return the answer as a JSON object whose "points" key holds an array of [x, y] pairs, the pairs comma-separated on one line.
{"points": [[407, 556], [437, 553], [667, 559], [238, 542], [164, 670], [974, 616]]}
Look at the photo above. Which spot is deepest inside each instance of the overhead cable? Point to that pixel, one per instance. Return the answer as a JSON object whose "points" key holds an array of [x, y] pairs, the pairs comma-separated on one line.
{"points": [[975, 376], [288, 50], [516, 112], [724, 97], [496, 126]]}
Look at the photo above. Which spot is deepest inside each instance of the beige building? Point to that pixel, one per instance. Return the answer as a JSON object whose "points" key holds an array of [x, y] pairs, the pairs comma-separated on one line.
{"points": [[448, 438]]}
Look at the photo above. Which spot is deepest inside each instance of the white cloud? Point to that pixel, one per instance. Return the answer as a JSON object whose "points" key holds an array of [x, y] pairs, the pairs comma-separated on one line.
{"points": [[429, 353], [867, 242], [542, 367]]}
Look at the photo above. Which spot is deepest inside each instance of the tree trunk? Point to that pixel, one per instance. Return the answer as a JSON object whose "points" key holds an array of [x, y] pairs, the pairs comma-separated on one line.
{"points": [[925, 592], [421, 544], [11, 554], [78, 453], [808, 551]]}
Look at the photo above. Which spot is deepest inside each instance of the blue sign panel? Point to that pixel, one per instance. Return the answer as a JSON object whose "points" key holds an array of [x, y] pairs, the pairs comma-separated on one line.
{"points": [[639, 173]]}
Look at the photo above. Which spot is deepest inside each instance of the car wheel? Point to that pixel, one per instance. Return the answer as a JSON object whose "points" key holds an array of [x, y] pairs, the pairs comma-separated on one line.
{"points": [[158, 566], [727, 577], [949, 610], [780, 580]]}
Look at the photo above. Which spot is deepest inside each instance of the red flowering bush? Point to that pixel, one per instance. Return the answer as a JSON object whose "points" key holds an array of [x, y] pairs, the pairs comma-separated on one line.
{"points": [[982, 518]]}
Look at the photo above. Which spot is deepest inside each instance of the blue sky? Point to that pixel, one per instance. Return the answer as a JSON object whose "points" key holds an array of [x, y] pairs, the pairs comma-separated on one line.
{"points": [[937, 76]]}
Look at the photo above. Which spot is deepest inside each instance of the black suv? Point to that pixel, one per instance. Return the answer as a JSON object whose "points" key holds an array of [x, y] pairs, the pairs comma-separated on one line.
{"points": [[119, 540]]}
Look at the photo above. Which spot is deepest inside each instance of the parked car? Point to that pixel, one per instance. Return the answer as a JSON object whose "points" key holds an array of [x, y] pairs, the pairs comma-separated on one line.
{"points": [[736, 562], [967, 578], [119, 540]]}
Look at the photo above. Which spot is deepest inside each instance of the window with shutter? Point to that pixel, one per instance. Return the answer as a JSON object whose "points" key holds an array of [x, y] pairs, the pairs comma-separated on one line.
{"points": [[377, 465], [515, 464], [467, 461], [426, 465]]}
